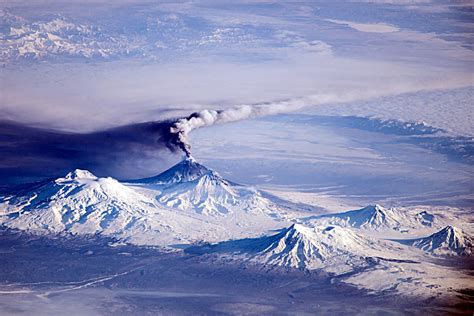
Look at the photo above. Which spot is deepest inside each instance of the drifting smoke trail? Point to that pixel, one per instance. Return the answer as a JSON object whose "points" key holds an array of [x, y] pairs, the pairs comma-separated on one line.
{"points": [[182, 127]]}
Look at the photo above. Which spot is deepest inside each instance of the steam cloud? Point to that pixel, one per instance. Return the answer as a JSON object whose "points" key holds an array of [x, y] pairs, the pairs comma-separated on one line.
{"points": [[182, 127]]}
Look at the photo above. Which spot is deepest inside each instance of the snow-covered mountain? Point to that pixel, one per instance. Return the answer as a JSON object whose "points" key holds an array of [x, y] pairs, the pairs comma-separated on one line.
{"points": [[177, 208], [448, 241], [79, 203], [333, 249], [186, 170], [191, 186], [377, 218], [83, 204], [57, 37]]}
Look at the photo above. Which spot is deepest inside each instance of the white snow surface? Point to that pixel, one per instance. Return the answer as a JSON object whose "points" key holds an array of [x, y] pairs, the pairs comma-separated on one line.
{"points": [[57, 37], [333, 249], [375, 264]]}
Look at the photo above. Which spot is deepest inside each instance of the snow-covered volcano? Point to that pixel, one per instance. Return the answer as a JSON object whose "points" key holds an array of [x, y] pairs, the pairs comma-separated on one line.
{"points": [[448, 241], [79, 203], [83, 204], [378, 218], [191, 186], [185, 171], [333, 249]]}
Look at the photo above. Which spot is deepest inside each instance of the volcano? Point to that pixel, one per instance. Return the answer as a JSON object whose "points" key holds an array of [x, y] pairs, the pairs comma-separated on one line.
{"points": [[185, 171], [333, 249], [448, 241], [189, 202], [189, 185], [79, 203]]}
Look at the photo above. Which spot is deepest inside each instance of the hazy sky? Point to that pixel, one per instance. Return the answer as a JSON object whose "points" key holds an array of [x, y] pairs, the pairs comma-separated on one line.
{"points": [[88, 65]]}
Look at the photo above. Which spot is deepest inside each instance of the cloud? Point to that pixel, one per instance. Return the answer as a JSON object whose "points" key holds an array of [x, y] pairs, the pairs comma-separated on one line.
{"points": [[368, 27], [396, 2], [90, 97], [182, 127], [31, 153]]}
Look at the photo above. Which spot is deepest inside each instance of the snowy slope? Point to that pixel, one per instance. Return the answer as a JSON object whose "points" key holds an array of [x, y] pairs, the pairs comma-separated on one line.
{"points": [[191, 186], [448, 241], [333, 249], [378, 218], [81, 203], [186, 170]]}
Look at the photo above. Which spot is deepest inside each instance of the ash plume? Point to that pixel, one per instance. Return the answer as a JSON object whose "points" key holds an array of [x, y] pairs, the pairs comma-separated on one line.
{"points": [[29, 154], [182, 127]]}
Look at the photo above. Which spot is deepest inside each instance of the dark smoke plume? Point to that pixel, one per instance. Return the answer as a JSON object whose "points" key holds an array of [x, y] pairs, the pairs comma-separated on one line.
{"points": [[30, 153]]}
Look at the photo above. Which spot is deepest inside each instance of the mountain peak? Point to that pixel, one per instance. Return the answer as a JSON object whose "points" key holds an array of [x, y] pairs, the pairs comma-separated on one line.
{"points": [[374, 209], [190, 158], [186, 170], [450, 229], [449, 232], [80, 174], [447, 241], [376, 213], [190, 186], [298, 229], [370, 217]]}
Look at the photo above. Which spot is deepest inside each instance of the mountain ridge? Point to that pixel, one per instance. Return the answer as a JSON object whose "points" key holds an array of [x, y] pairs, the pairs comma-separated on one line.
{"points": [[82, 203], [377, 218]]}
